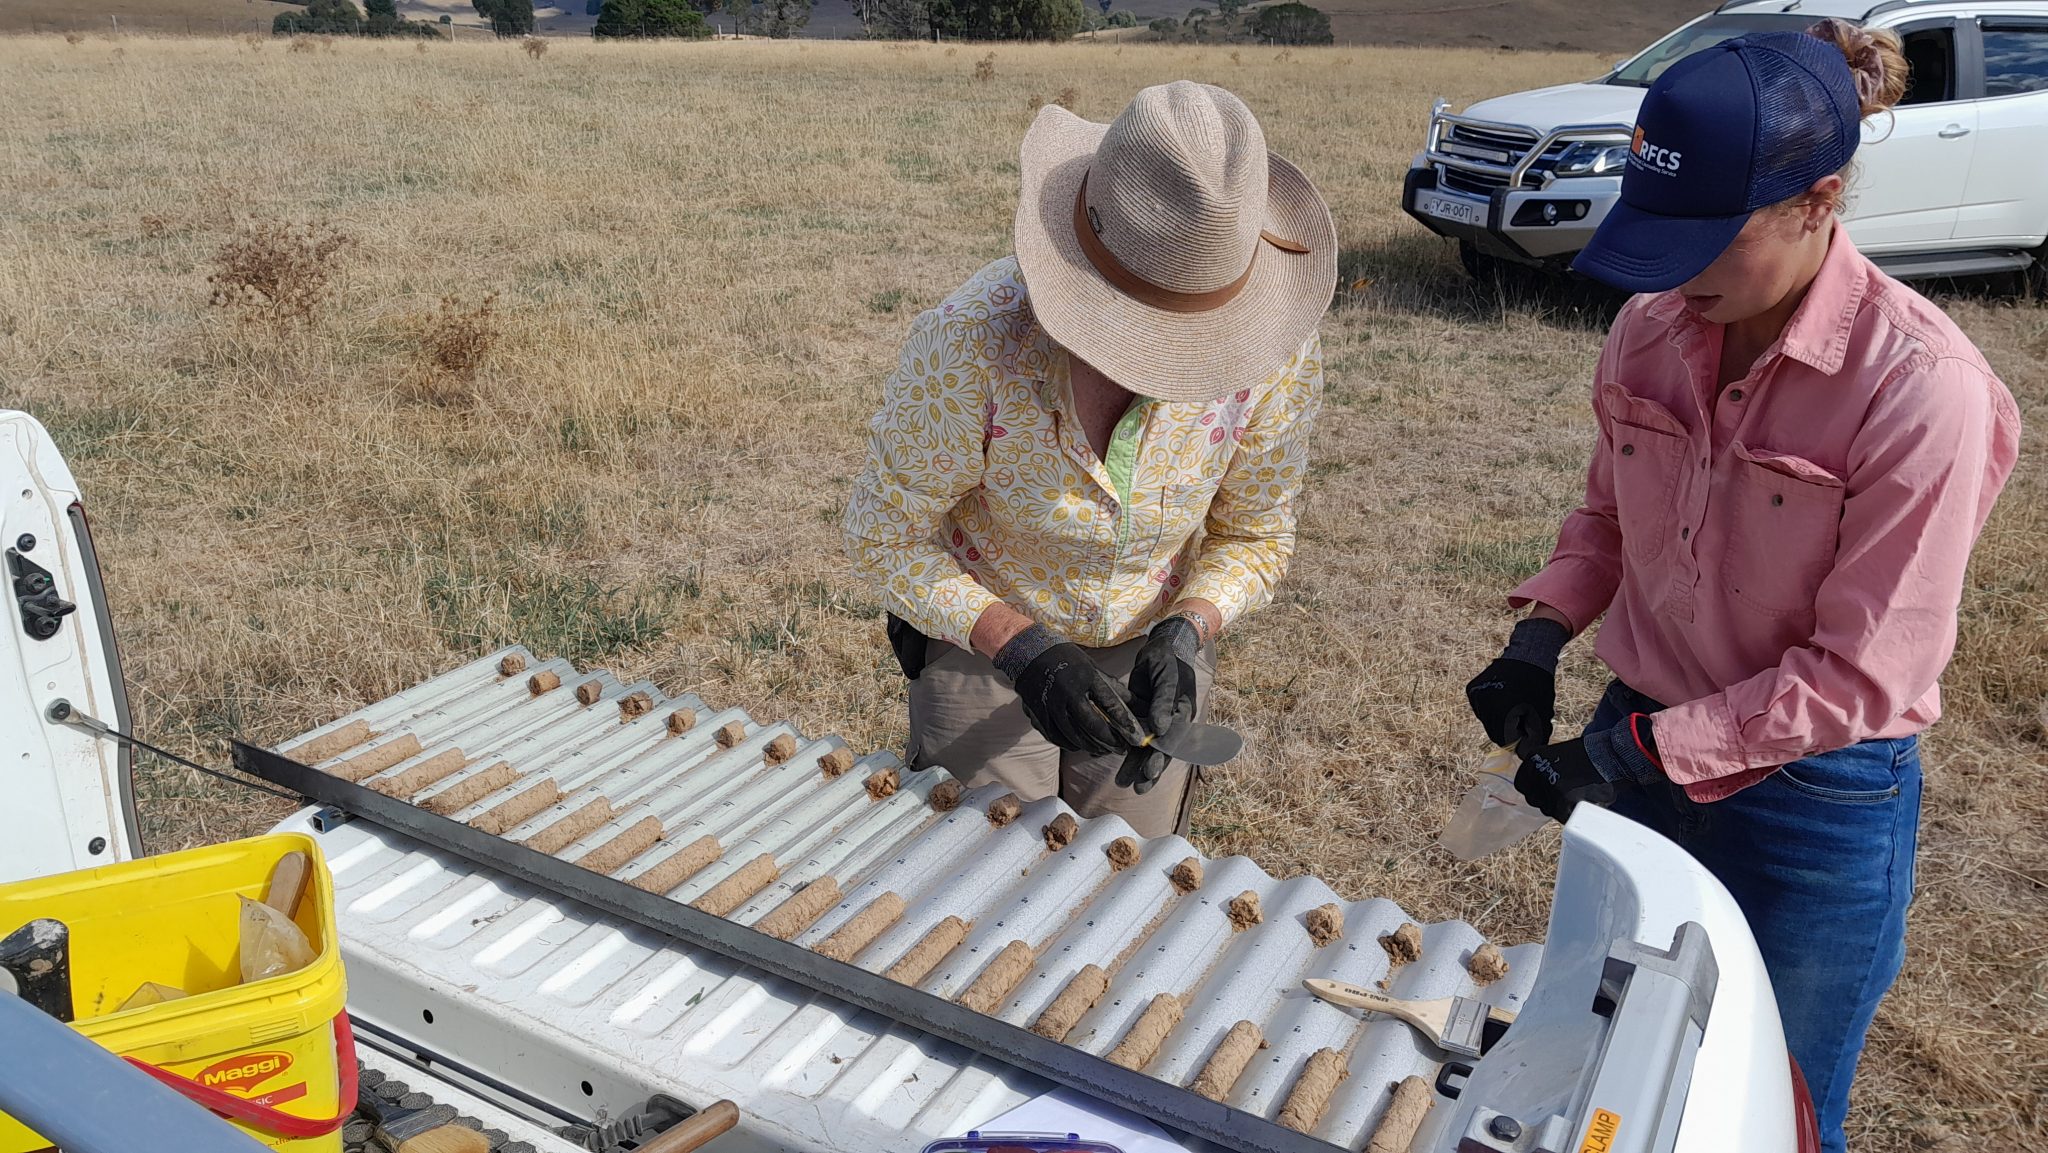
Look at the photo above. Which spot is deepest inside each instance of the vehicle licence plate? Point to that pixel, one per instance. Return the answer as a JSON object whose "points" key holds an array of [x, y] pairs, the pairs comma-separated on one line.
{"points": [[1451, 208]]}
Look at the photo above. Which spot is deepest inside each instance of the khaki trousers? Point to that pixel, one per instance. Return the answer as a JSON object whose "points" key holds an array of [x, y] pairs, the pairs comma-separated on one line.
{"points": [[965, 717]]}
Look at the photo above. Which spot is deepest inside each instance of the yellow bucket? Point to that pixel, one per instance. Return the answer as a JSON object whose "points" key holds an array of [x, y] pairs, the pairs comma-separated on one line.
{"points": [[275, 1056]]}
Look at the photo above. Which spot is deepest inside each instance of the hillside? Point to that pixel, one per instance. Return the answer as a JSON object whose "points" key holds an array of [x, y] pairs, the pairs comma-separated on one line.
{"points": [[177, 17]]}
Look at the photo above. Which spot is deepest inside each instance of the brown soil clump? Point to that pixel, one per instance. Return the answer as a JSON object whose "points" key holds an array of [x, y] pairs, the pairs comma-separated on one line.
{"points": [[1187, 876], [861, 931], [1073, 1003], [925, 956], [1487, 964], [945, 796], [836, 762], [1004, 809], [801, 911], [680, 866], [734, 891], [1142, 1043], [1000, 979], [779, 750], [1123, 853], [1061, 832], [1312, 1091], [884, 784], [1397, 1127], [1244, 911], [1325, 924], [1228, 1062], [1404, 944]]}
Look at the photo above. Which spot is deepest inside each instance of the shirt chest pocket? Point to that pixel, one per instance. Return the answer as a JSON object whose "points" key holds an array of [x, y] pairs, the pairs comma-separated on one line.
{"points": [[1165, 518], [1650, 448], [1785, 521]]}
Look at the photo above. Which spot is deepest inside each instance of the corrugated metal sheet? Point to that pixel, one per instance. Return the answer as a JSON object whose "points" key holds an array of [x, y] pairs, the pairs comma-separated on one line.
{"points": [[726, 776]]}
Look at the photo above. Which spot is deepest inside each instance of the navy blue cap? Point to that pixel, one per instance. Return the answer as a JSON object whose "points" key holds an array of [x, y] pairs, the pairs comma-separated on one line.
{"points": [[1743, 125]]}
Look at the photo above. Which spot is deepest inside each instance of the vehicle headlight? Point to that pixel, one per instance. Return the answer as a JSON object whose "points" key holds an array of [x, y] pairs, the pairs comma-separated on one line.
{"points": [[1592, 158]]}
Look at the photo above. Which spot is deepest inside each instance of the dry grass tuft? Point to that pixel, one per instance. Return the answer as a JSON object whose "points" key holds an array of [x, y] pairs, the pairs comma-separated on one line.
{"points": [[712, 266], [301, 44], [277, 273], [453, 344], [73, 39], [534, 46], [984, 68], [1069, 98]]}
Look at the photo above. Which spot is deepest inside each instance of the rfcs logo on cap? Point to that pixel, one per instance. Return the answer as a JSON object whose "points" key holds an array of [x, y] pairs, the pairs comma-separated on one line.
{"points": [[243, 1073], [1662, 161]]}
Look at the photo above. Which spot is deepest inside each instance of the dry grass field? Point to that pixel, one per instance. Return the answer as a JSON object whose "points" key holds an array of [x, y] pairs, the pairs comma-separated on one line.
{"points": [[703, 259]]}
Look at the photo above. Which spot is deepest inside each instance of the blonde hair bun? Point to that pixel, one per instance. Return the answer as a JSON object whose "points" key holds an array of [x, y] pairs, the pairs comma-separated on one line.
{"points": [[1875, 56]]}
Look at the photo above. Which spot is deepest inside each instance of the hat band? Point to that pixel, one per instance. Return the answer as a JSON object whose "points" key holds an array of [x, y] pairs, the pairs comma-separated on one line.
{"points": [[1144, 291]]}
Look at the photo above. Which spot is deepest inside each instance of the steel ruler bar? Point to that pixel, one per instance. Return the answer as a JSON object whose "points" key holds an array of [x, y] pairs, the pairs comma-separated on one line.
{"points": [[1169, 1105]]}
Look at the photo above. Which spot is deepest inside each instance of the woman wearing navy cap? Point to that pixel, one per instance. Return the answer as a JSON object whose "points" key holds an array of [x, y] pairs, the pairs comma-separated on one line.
{"points": [[1796, 455]]}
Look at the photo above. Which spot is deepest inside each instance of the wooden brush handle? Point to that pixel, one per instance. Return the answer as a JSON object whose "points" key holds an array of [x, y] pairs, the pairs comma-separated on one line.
{"points": [[699, 1128], [1359, 997], [288, 883]]}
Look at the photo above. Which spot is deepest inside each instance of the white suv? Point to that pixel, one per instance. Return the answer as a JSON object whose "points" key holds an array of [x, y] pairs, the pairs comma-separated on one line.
{"points": [[1954, 182]]}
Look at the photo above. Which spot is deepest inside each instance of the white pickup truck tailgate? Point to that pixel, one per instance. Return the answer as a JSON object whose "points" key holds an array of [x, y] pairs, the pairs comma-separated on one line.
{"points": [[587, 1015]]}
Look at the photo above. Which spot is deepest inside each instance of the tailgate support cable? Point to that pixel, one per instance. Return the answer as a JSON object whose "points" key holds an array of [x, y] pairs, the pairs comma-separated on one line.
{"points": [[62, 712]]}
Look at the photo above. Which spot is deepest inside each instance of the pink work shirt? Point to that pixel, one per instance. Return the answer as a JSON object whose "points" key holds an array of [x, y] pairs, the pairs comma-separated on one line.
{"points": [[1782, 563]]}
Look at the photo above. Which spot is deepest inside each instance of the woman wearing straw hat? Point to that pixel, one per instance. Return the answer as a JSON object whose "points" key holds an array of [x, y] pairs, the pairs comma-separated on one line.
{"points": [[1086, 465], [1796, 454]]}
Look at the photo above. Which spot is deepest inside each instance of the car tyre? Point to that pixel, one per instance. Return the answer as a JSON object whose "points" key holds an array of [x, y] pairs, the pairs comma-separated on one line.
{"points": [[2036, 276], [1478, 265]]}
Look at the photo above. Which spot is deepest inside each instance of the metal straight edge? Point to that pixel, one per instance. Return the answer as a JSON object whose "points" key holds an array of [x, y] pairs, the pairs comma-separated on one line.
{"points": [[1169, 1105]]}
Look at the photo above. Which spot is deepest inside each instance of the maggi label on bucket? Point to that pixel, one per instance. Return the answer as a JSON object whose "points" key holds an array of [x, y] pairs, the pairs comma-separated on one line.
{"points": [[243, 1073]]}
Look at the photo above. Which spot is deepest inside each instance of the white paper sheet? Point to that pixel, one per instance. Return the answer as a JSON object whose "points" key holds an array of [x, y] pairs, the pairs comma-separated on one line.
{"points": [[1063, 1111]]}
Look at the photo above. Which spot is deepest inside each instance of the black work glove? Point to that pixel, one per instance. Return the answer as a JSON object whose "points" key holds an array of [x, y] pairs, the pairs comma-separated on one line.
{"points": [[1070, 701], [1162, 693], [1516, 696], [1592, 769]]}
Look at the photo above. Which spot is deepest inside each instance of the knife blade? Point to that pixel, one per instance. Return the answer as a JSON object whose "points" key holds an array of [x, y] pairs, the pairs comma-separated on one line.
{"points": [[1197, 743]]}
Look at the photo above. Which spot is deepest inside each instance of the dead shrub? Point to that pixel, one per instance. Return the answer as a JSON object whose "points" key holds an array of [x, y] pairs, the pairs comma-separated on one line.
{"points": [[252, 41], [276, 272], [301, 44], [1069, 98], [985, 68], [453, 345], [535, 47], [1034, 102], [1236, 57], [420, 47], [73, 39]]}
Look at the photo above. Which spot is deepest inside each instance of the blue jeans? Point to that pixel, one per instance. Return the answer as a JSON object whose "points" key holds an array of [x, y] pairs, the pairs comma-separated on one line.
{"points": [[1819, 856]]}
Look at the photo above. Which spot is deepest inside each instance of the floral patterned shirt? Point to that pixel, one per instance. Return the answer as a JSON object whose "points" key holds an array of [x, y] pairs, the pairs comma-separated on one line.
{"points": [[980, 484]]}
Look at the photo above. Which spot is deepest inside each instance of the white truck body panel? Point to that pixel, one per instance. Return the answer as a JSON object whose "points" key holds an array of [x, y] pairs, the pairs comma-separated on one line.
{"points": [[68, 805]]}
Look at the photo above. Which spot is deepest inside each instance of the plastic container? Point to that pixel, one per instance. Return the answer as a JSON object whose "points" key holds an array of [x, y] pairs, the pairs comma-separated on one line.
{"points": [[1019, 1143], [275, 1056], [1493, 814]]}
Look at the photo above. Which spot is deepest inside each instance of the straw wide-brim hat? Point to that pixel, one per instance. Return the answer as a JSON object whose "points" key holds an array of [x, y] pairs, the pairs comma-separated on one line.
{"points": [[1170, 250]]}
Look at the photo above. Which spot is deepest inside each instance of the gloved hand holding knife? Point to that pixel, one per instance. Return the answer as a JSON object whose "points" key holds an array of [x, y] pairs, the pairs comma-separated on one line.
{"points": [[1162, 688]]}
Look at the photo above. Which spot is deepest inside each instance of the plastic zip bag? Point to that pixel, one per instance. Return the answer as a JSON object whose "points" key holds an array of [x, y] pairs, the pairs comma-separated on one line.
{"points": [[271, 944], [1493, 814]]}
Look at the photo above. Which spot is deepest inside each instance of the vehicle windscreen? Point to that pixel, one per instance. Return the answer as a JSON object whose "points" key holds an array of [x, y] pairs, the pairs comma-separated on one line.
{"points": [[1645, 68]]}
